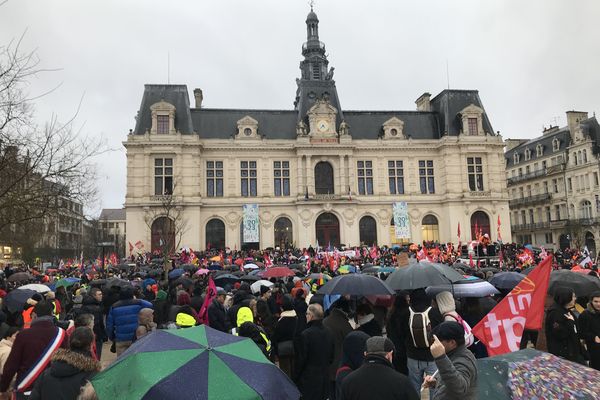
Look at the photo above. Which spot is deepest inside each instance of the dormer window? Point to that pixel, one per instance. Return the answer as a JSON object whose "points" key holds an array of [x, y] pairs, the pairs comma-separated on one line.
{"points": [[516, 158], [555, 144], [248, 132], [539, 150], [472, 120], [472, 126], [163, 118], [527, 154], [247, 128], [393, 128]]}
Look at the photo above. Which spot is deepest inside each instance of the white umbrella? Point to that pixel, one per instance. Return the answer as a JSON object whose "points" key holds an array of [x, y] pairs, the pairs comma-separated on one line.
{"points": [[37, 287], [251, 266], [475, 288], [255, 287]]}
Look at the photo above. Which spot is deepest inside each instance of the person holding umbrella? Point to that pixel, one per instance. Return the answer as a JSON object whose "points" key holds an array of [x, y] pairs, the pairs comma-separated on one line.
{"points": [[561, 331], [589, 328]]}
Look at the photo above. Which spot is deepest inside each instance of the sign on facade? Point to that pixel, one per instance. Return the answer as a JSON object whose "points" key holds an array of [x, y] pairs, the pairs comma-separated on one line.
{"points": [[401, 221], [251, 224]]}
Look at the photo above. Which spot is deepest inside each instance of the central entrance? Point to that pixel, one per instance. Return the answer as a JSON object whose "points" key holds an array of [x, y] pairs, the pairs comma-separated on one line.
{"points": [[328, 230]]}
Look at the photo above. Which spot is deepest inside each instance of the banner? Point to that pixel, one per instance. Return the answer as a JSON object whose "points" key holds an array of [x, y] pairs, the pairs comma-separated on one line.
{"points": [[502, 328], [401, 221], [251, 224]]}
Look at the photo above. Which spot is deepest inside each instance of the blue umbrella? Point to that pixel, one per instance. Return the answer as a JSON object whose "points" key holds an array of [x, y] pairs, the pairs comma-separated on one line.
{"points": [[16, 299], [176, 273]]}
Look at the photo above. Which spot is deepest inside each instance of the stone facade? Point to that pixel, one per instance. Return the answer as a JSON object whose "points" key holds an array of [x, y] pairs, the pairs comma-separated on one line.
{"points": [[198, 165]]}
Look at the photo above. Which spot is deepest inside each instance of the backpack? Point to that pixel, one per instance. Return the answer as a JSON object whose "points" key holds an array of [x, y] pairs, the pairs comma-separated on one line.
{"points": [[420, 328], [469, 338]]}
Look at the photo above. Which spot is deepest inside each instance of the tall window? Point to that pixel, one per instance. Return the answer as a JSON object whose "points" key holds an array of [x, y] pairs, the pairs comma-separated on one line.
{"points": [[475, 172], [472, 126], [548, 214], [586, 209], [163, 176], [557, 211], [214, 178], [281, 172], [324, 178], [365, 177], [426, 179], [248, 174], [396, 176], [430, 229], [162, 124], [545, 186], [531, 219]]}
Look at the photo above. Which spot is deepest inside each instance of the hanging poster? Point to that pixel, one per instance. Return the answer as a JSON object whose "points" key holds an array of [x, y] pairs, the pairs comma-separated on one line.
{"points": [[251, 225], [401, 221]]}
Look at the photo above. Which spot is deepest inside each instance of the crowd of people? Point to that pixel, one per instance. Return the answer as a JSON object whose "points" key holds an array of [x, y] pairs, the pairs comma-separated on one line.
{"points": [[331, 347]]}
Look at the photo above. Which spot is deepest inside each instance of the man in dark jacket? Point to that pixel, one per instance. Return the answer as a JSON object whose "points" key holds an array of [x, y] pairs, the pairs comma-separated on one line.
{"points": [[29, 347], [122, 320], [589, 329], [92, 304], [339, 327], [217, 317], [457, 368], [314, 355], [377, 378]]}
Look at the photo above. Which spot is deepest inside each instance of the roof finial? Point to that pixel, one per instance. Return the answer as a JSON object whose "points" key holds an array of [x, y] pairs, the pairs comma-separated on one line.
{"points": [[312, 3]]}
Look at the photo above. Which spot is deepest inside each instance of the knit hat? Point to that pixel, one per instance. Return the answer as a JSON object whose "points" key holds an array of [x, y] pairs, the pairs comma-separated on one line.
{"points": [[449, 330], [161, 295], [379, 344], [264, 289], [445, 302], [183, 298]]}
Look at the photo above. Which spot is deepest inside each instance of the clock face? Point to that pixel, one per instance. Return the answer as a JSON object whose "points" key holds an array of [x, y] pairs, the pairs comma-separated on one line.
{"points": [[322, 125]]}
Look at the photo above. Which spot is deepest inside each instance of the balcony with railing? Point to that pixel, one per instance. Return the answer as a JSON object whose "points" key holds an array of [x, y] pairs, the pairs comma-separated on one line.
{"points": [[538, 198], [526, 177], [539, 225]]}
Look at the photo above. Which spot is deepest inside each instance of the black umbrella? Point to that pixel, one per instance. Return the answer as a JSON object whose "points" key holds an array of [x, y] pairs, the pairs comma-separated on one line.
{"points": [[123, 267], [249, 278], [189, 267], [224, 279], [370, 270], [489, 269], [117, 282], [98, 282], [356, 285], [583, 285], [506, 280], [422, 275], [16, 299], [19, 277]]}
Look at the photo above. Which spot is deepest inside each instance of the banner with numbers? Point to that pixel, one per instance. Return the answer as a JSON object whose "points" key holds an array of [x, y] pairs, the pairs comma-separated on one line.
{"points": [[251, 225], [401, 221]]}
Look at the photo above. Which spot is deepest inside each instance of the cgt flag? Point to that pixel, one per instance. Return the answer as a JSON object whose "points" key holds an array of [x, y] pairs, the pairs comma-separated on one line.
{"points": [[211, 293], [502, 328]]}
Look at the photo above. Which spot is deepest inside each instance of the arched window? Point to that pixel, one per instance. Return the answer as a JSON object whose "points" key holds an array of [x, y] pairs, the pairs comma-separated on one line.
{"points": [[586, 209], [367, 229], [590, 243], [163, 236], [430, 230], [555, 144], [480, 224], [215, 234], [324, 178], [584, 156], [516, 158], [284, 236], [327, 229]]}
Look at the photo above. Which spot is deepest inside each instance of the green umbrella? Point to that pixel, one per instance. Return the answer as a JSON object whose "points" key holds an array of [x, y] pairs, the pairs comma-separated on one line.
{"points": [[193, 363], [66, 282]]}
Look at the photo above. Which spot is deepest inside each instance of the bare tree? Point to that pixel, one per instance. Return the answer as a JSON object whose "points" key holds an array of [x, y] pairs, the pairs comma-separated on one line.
{"points": [[38, 165]]}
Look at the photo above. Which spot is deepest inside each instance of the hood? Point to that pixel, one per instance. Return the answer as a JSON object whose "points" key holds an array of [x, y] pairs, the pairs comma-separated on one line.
{"points": [[68, 363], [353, 349]]}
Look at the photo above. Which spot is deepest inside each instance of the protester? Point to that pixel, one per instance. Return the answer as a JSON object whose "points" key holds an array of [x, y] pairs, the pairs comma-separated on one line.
{"points": [[284, 336], [395, 332], [338, 325], [314, 355], [561, 329], [456, 376], [161, 308], [92, 304], [70, 369], [146, 323], [377, 378], [258, 335], [122, 320], [366, 320], [217, 316], [353, 355], [6, 347], [86, 321], [589, 329]]}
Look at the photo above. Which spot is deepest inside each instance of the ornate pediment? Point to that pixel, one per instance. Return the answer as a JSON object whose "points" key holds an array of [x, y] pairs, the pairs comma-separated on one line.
{"points": [[393, 128], [247, 128], [471, 109], [321, 120]]}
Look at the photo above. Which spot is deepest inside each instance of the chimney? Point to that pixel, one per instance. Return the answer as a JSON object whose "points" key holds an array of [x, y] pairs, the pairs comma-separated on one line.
{"points": [[423, 103], [198, 96], [574, 118]]}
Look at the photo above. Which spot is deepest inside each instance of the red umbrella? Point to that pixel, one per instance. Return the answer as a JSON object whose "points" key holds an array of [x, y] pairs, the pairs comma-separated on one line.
{"points": [[278, 272], [238, 261]]}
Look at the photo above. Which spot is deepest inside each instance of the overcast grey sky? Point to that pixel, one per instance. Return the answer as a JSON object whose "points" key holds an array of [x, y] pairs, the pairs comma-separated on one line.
{"points": [[530, 60]]}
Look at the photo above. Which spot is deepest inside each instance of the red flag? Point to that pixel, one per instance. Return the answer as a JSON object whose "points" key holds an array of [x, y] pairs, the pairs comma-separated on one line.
{"points": [[211, 293], [458, 233], [476, 232], [499, 236], [502, 328], [130, 248], [471, 263], [373, 254]]}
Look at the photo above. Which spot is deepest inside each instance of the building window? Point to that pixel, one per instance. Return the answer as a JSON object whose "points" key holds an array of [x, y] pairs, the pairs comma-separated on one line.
{"points": [[557, 212], [426, 177], [527, 170], [555, 185], [281, 172], [549, 237], [596, 179], [555, 144], [475, 174], [548, 214], [430, 231], [214, 178], [523, 217], [527, 154], [586, 209], [472, 126], [248, 174], [396, 176], [163, 176], [516, 158], [284, 236], [531, 219], [162, 124], [569, 184], [365, 177], [584, 156], [324, 178], [539, 150], [545, 187], [316, 71]]}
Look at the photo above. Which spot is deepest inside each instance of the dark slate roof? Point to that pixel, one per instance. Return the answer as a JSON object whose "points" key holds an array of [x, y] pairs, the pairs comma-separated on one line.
{"points": [[369, 124], [591, 127], [450, 102], [562, 135], [176, 95], [211, 123], [112, 214]]}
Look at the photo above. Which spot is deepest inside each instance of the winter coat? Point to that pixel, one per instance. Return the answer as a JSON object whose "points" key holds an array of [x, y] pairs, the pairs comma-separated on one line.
{"points": [[377, 379], [561, 335], [92, 306], [300, 307], [161, 311], [371, 328], [457, 375], [337, 324], [353, 355], [589, 328], [5, 348], [217, 317], [285, 329], [122, 319], [66, 375], [418, 353], [314, 355], [395, 334]]}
